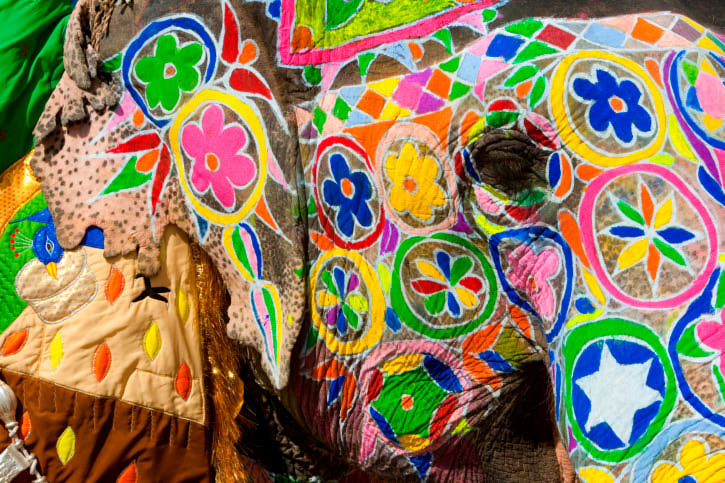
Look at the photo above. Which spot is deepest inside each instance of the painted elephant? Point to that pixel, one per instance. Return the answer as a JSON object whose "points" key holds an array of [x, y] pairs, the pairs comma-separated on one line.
{"points": [[412, 211]]}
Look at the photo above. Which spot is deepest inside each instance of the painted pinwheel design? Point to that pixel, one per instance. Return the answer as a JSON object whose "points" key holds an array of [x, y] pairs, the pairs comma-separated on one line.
{"points": [[342, 298], [651, 234], [447, 285]]}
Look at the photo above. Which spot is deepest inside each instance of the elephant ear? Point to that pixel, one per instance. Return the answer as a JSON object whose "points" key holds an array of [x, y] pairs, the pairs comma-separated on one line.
{"points": [[198, 156]]}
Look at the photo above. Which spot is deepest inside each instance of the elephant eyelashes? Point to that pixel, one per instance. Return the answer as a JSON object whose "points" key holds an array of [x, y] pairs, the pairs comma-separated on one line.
{"points": [[509, 161]]}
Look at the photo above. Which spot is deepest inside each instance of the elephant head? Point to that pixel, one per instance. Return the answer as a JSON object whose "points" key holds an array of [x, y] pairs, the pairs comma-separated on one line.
{"points": [[409, 215]]}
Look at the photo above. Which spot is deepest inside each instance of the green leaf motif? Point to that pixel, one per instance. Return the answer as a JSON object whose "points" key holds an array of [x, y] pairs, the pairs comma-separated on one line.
{"points": [[241, 252], [312, 337], [669, 251], [630, 212], [459, 269], [527, 27], [112, 64], [458, 89], [340, 11], [364, 62], [350, 315], [691, 71], [537, 92], [489, 14], [312, 75], [451, 65], [501, 118], [521, 74], [272, 311], [311, 206], [444, 35], [435, 303], [533, 50], [689, 346], [326, 277], [127, 178], [319, 118]]}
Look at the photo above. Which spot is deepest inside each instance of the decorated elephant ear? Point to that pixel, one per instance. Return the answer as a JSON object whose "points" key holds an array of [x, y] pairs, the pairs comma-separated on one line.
{"points": [[189, 145]]}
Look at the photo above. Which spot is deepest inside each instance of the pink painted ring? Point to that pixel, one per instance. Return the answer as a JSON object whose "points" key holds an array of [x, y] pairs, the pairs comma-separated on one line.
{"points": [[586, 210]]}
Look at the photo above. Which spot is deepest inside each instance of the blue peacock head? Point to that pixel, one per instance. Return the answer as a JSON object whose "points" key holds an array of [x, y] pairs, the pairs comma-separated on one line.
{"points": [[44, 242]]}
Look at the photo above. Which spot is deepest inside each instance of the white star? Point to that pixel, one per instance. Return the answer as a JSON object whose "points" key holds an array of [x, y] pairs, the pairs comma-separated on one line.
{"points": [[617, 391]]}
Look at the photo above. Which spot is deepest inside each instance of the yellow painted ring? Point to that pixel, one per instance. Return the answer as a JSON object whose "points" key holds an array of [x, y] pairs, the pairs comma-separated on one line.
{"points": [[568, 134], [250, 117], [376, 306]]}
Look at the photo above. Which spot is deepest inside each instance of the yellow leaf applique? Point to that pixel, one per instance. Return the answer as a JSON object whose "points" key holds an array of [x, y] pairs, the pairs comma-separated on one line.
{"points": [[632, 254], [152, 341], [56, 351], [664, 214], [182, 304], [66, 445]]}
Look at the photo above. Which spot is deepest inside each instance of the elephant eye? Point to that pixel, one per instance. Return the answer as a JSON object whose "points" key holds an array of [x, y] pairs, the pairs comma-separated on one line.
{"points": [[508, 160]]}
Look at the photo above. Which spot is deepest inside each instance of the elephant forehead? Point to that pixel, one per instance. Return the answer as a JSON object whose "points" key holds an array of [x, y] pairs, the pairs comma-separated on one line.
{"points": [[616, 253]]}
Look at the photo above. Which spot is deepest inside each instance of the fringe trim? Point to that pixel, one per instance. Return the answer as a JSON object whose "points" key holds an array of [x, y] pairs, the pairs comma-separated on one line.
{"points": [[101, 19], [222, 359]]}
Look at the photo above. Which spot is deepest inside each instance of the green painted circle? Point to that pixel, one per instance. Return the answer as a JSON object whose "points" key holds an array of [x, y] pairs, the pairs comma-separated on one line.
{"points": [[586, 334], [412, 320]]}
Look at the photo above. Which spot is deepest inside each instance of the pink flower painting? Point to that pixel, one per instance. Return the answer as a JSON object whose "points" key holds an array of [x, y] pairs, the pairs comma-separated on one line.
{"points": [[217, 160]]}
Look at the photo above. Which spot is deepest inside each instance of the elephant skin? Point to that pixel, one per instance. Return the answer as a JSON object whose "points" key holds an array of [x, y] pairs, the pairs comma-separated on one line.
{"points": [[411, 222]]}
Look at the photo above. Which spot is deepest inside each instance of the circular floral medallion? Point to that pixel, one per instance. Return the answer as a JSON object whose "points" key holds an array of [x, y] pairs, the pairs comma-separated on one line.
{"points": [[696, 87], [349, 205], [166, 63], [620, 387], [415, 395], [216, 139], [690, 450], [420, 192], [607, 108], [443, 286], [650, 240], [348, 303]]}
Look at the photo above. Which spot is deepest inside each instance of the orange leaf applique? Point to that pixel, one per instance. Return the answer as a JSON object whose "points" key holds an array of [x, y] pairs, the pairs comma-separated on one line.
{"points": [[114, 285], [183, 381], [14, 342], [129, 475], [25, 426], [101, 361]]}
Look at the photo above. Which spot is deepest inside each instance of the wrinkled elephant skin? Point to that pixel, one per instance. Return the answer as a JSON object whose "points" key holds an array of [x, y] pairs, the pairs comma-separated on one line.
{"points": [[395, 292]]}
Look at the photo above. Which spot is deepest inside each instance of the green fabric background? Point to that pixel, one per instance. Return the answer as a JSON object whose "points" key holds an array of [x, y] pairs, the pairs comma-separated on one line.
{"points": [[31, 64]]}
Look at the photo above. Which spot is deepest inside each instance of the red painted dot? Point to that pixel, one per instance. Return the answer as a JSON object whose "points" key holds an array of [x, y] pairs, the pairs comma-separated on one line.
{"points": [[406, 402], [17, 230], [17, 255], [410, 185], [616, 104], [346, 187]]}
